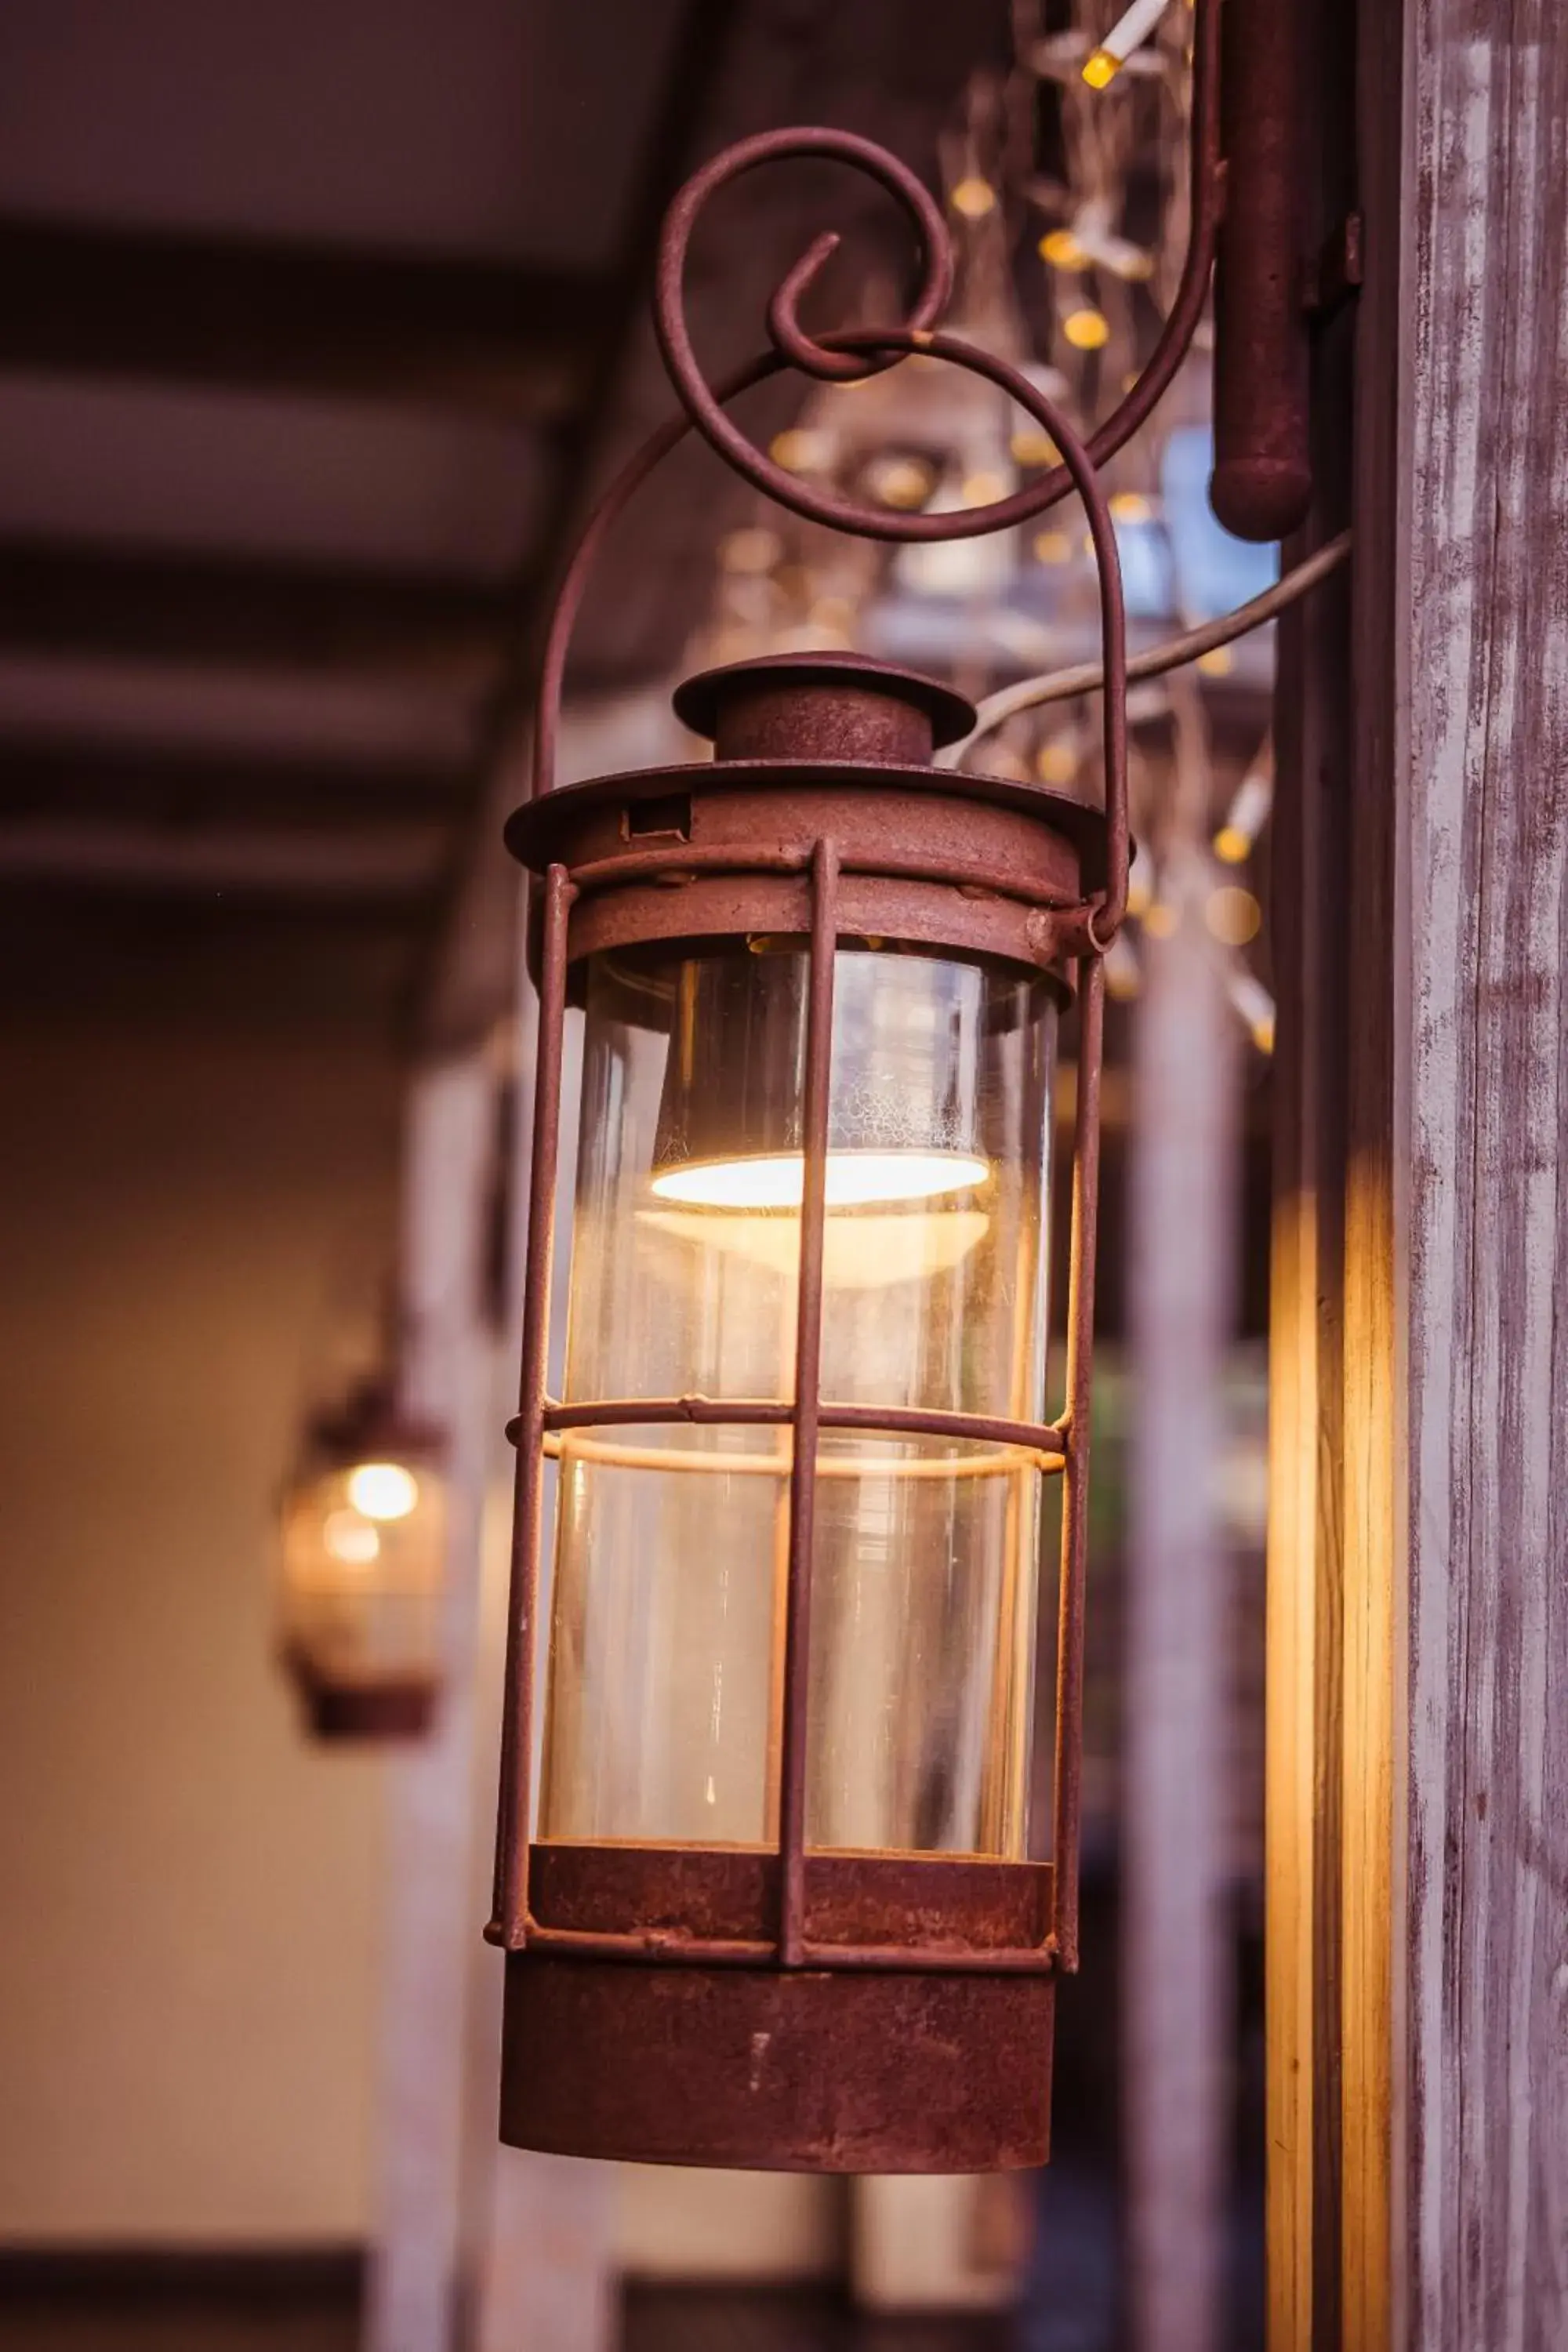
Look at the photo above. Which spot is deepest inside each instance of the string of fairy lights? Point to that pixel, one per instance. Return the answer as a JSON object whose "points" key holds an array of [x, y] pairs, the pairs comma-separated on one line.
{"points": [[1067, 182]]}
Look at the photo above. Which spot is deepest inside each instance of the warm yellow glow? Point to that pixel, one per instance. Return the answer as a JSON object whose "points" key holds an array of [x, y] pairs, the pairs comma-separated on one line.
{"points": [[1100, 68], [1056, 763], [853, 1178], [1233, 915], [835, 613], [1030, 446], [1052, 547], [1218, 662], [753, 549], [1122, 976], [383, 1490], [1160, 919], [1231, 846], [900, 482], [800, 451], [1086, 329], [1132, 506], [859, 1252], [1061, 248], [1140, 892], [974, 198], [983, 490], [351, 1538]]}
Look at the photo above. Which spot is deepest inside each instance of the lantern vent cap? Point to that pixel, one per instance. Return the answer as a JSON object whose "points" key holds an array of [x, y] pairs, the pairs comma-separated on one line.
{"points": [[373, 1423], [822, 706]]}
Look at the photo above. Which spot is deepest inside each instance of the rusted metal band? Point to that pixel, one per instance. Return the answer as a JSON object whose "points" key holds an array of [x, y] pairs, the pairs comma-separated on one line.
{"points": [[685, 857], [647, 1950], [669, 1904], [1049, 1439]]}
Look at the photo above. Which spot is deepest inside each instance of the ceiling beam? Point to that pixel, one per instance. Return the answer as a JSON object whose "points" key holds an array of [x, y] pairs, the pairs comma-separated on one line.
{"points": [[129, 604], [241, 313], [396, 865], [49, 778]]}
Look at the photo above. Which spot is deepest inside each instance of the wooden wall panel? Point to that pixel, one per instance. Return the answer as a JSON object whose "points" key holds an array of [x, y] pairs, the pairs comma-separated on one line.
{"points": [[1418, 1826], [1482, 776]]}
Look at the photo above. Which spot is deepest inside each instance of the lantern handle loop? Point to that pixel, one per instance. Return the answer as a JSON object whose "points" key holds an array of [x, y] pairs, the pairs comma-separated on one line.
{"points": [[1079, 467]]}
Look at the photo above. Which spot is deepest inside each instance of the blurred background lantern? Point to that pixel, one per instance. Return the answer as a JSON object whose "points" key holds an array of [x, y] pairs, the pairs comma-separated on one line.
{"points": [[364, 1560]]}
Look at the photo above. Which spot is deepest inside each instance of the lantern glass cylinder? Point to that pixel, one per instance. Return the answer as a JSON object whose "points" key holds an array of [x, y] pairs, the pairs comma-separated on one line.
{"points": [[664, 1705], [364, 1567]]}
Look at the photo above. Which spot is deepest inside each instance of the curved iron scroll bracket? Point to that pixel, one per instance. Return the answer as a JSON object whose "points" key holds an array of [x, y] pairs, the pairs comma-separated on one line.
{"points": [[851, 356]]}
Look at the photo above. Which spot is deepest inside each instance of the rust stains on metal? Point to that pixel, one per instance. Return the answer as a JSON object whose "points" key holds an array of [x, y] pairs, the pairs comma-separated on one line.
{"points": [[775, 2070]]}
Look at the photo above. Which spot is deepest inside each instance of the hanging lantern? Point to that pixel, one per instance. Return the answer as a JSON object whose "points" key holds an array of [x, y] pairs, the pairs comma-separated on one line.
{"points": [[364, 1537], [768, 1897]]}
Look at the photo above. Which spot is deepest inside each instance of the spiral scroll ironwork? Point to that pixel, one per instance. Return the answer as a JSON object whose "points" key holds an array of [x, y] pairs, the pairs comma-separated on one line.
{"points": [[850, 355]]}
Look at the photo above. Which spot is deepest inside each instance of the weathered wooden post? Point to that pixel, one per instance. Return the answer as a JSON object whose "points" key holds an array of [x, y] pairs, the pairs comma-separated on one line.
{"points": [[1419, 1611]]}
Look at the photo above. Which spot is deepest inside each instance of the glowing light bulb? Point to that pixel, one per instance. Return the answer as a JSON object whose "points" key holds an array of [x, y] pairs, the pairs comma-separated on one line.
{"points": [[900, 482], [1233, 915], [351, 1538], [1100, 68], [1030, 446], [383, 1490], [1231, 846], [1061, 248], [1218, 662], [853, 1178], [974, 197], [863, 1251], [1086, 329], [1132, 506], [799, 450], [1052, 547]]}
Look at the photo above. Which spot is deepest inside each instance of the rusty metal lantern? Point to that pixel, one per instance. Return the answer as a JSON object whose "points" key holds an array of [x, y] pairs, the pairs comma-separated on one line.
{"points": [[770, 1903], [363, 1571]]}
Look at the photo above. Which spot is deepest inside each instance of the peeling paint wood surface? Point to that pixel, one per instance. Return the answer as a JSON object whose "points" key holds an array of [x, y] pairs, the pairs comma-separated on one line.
{"points": [[1482, 771]]}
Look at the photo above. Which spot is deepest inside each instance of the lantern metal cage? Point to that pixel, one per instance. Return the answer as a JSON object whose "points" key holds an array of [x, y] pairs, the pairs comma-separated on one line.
{"points": [[784, 1992], [363, 1576]]}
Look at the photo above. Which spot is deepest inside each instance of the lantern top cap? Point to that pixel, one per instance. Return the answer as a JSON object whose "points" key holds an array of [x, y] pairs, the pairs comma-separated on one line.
{"points": [[371, 1422], [822, 706]]}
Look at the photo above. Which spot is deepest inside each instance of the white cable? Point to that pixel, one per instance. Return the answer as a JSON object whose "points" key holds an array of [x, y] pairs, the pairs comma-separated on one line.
{"points": [[1062, 685], [1129, 32]]}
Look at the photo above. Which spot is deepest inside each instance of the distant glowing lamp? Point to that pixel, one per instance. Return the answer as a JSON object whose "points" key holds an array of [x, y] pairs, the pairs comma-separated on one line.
{"points": [[365, 1532]]}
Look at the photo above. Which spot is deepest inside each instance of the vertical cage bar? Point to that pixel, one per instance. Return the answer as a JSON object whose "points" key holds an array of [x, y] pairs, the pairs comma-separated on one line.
{"points": [[807, 1376], [1075, 1487], [508, 1925]]}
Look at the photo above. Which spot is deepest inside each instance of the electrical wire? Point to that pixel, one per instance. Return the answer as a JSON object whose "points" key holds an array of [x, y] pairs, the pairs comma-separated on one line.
{"points": [[1062, 685]]}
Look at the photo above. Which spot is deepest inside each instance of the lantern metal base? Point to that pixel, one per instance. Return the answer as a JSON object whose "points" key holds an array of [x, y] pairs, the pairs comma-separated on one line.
{"points": [[774, 2070], [350, 1711]]}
